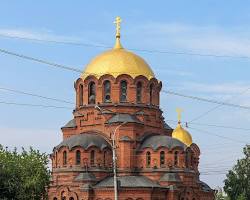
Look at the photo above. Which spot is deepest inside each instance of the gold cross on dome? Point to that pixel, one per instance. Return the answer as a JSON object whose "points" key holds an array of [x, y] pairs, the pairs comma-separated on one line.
{"points": [[179, 111], [118, 21]]}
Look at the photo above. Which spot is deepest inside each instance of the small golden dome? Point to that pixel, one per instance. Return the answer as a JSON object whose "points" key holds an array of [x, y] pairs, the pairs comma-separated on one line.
{"points": [[180, 133], [118, 61]]}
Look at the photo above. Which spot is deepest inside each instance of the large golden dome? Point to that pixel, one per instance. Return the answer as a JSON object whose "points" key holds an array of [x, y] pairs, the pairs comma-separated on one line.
{"points": [[118, 61]]}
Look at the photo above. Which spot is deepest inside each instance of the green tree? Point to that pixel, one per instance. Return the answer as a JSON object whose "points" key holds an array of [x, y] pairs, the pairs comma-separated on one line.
{"points": [[237, 183], [23, 175], [219, 194]]}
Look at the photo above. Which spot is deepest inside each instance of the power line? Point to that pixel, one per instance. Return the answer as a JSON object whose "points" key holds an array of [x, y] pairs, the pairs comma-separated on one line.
{"points": [[79, 71], [133, 49], [34, 105], [220, 136], [40, 61], [206, 100], [211, 125], [53, 64], [214, 108], [220, 126], [69, 102], [35, 95]]}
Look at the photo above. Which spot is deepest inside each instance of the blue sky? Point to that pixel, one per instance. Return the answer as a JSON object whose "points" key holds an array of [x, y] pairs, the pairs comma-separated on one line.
{"points": [[204, 27]]}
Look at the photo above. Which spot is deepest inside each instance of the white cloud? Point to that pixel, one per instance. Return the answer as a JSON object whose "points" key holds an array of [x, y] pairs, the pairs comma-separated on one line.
{"points": [[174, 72], [219, 88], [37, 35], [196, 39]]}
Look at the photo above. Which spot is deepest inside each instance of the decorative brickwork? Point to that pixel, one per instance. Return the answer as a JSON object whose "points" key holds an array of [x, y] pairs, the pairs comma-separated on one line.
{"points": [[150, 163], [117, 95]]}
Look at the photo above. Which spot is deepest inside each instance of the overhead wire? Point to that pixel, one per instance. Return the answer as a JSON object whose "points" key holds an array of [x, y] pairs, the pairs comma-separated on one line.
{"points": [[214, 134], [210, 125], [206, 100], [34, 105], [40, 61], [216, 107], [133, 49], [69, 102], [164, 91], [149, 51], [35, 95], [79, 71]]}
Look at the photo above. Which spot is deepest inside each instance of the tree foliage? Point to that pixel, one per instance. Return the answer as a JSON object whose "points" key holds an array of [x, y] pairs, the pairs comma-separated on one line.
{"points": [[23, 175], [219, 195], [237, 183]]}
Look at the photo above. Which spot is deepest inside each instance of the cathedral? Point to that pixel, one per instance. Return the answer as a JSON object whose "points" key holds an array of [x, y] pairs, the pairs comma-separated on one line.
{"points": [[118, 146]]}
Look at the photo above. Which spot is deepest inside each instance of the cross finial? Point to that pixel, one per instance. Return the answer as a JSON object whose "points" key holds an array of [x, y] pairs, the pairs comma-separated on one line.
{"points": [[118, 21], [179, 111]]}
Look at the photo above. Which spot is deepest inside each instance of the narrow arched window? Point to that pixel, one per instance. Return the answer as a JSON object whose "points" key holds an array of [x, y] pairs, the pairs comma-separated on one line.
{"points": [[92, 158], [162, 158], [175, 158], [107, 91], [92, 93], [56, 159], [64, 158], [187, 159], [123, 91], [138, 92], [71, 198], [104, 158], [191, 160], [78, 157], [151, 87], [80, 95], [148, 159]]}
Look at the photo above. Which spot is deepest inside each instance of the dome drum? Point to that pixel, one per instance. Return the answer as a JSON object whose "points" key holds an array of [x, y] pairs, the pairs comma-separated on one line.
{"points": [[122, 89]]}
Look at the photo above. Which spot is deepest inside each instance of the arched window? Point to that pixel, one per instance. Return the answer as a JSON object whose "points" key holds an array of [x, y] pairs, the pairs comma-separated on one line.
{"points": [[189, 159], [175, 158], [78, 157], [56, 159], [123, 91], [162, 158], [64, 158], [71, 198], [63, 195], [138, 92], [151, 93], [104, 158], [54, 198], [92, 93], [92, 158], [107, 91], [81, 95], [148, 159]]}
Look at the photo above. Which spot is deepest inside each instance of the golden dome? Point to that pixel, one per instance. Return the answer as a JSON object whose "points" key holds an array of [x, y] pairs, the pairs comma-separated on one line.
{"points": [[118, 61], [182, 135]]}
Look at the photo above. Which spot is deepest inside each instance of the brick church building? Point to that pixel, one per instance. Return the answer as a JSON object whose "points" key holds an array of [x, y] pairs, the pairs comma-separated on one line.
{"points": [[117, 109]]}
